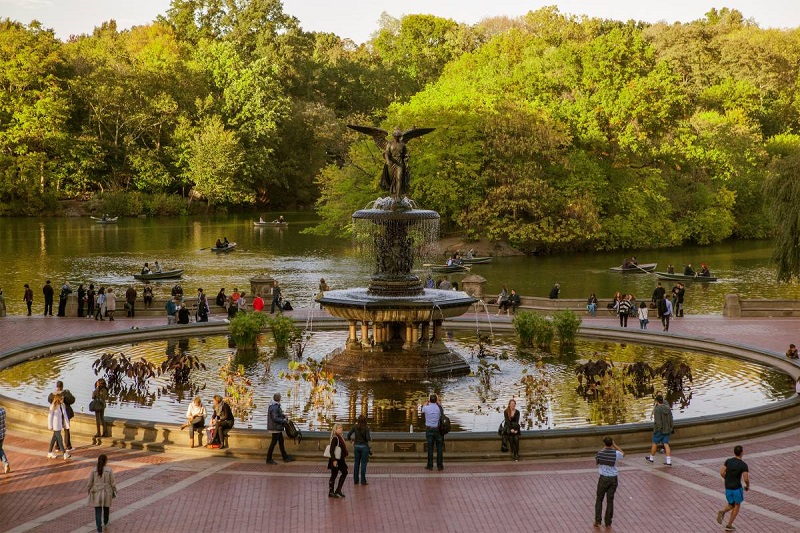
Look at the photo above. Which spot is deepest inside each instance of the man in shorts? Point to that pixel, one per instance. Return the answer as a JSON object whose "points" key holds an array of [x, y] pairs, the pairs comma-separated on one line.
{"points": [[732, 472], [662, 428]]}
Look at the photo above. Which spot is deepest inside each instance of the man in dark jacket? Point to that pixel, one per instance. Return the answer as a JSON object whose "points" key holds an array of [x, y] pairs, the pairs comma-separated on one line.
{"points": [[48, 292], [276, 297], [130, 299], [275, 422], [28, 298], [554, 291], [222, 421]]}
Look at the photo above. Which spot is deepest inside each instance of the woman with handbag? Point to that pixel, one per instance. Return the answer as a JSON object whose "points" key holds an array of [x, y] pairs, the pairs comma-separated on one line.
{"points": [[196, 418], [102, 489], [98, 405], [360, 449], [512, 428], [336, 462]]}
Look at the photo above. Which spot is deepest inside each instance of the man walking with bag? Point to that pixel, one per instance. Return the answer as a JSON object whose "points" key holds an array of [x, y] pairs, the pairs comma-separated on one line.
{"points": [[275, 424], [606, 459], [431, 413]]}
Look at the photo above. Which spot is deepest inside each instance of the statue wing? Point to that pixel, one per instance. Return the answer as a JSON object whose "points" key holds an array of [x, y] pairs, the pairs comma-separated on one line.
{"points": [[415, 132], [377, 134]]}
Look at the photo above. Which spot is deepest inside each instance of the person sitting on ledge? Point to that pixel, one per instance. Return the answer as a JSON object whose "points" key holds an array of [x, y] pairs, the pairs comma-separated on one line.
{"points": [[512, 303], [554, 291], [791, 353]]}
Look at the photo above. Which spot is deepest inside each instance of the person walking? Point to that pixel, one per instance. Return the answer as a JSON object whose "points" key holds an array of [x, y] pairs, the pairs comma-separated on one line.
{"points": [[276, 297], [91, 296], [111, 303], [431, 413], [276, 421], [100, 304], [196, 418], [512, 428], [664, 312], [57, 420], [733, 471], [99, 401], [606, 460], [662, 429], [68, 400], [102, 490], [336, 462], [48, 293], [130, 299], [359, 435], [28, 298], [3, 456]]}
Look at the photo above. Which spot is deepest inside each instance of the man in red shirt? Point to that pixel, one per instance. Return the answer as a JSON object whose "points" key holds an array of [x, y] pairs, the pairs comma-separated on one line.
{"points": [[258, 303]]}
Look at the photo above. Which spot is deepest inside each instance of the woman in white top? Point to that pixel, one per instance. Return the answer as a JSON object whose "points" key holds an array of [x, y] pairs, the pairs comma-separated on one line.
{"points": [[100, 304], [196, 418], [111, 303], [57, 420], [643, 320]]}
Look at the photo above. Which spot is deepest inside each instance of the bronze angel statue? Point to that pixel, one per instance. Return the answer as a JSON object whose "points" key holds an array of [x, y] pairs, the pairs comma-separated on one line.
{"points": [[396, 175]]}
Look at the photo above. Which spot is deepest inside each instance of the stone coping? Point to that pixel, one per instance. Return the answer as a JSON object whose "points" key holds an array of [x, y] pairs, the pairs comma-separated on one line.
{"points": [[393, 446]]}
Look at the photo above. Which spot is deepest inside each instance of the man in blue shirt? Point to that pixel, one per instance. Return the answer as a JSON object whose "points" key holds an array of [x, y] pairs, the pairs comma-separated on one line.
{"points": [[606, 460], [431, 413]]}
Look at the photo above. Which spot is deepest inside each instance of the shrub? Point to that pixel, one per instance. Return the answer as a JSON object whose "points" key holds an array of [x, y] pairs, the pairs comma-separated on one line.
{"points": [[566, 325], [284, 331], [533, 329], [161, 204], [245, 328], [544, 332]]}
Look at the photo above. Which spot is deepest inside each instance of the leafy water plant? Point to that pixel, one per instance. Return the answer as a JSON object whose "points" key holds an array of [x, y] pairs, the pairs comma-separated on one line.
{"points": [[313, 372], [566, 324], [118, 366], [246, 327], [238, 389], [674, 374], [180, 365], [538, 391], [283, 330], [533, 329]]}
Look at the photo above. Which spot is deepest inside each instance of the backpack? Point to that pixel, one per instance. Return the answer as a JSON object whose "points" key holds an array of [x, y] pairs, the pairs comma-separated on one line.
{"points": [[287, 306], [444, 422], [292, 432]]}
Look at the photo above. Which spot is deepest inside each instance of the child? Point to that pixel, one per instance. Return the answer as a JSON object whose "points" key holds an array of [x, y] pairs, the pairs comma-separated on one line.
{"points": [[643, 316], [791, 353]]}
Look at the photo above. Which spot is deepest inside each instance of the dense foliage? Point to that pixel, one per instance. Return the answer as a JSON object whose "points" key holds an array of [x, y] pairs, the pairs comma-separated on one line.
{"points": [[553, 132]]}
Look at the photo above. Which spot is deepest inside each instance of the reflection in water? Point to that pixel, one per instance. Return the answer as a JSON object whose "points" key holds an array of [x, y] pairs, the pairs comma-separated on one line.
{"points": [[547, 390]]}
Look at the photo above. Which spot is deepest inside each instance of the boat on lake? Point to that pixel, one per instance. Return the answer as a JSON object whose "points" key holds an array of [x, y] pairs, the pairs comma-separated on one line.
{"points": [[444, 269], [270, 224], [224, 249], [684, 277], [107, 220], [477, 260], [633, 269], [166, 274]]}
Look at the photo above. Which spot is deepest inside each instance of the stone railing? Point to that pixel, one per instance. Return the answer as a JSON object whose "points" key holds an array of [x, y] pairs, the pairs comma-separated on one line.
{"points": [[736, 307], [157, 308], [546, 305]]}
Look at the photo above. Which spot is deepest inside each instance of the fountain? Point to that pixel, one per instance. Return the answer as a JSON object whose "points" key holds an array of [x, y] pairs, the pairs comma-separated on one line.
{"points": [[399, 321]]}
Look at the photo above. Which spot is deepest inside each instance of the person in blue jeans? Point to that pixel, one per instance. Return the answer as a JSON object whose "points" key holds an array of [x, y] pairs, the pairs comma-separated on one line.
{"points": [[3, 457], [359, 434], [431, 413]]}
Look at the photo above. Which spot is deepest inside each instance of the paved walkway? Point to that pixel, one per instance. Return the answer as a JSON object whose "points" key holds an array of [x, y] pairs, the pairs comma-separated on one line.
{"points": [[194, 494]]}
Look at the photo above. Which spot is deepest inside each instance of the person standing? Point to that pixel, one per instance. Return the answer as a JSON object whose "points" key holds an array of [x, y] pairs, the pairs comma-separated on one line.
{"points": [[512, 428], [66, 290], [642, 313], [241, 303], [28, 298], [681, 295], [147, 295], [100, 304], [555, 291], [172, 309], [90, 301], [202, 306], [111, 303], [431, 413], [662, 429], [81, 300], [100, 400], [665, 312], [130, 299], [624, 310], [57, 420], [359, 435], [275, 424], [658, 293], [336, 463], [68, 399], [606, 460], [48, 292], [733, 471], [102, 490], [2, 304], [276, 297], [3, 456]]}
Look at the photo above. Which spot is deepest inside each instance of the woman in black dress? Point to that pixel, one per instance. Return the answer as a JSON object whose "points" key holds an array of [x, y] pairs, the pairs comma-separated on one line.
{"points": [[336, 462], [512, 428], [81, 298]]}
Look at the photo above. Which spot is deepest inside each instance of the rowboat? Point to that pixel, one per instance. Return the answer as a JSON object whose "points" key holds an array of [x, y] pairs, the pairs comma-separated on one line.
{"points": [[166, 274], [105, 220], [223, 249], [444, 269], [272, 224], [683, 277], [477, 260], [644, 267]]}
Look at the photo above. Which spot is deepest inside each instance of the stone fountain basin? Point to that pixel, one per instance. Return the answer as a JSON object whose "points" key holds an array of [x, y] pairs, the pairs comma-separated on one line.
{"points": [[432, 304]]}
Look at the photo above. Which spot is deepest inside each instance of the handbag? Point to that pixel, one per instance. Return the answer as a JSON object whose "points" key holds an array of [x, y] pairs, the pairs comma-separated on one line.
{"points": [[337, 452], [96, 405], [327, 452]]}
